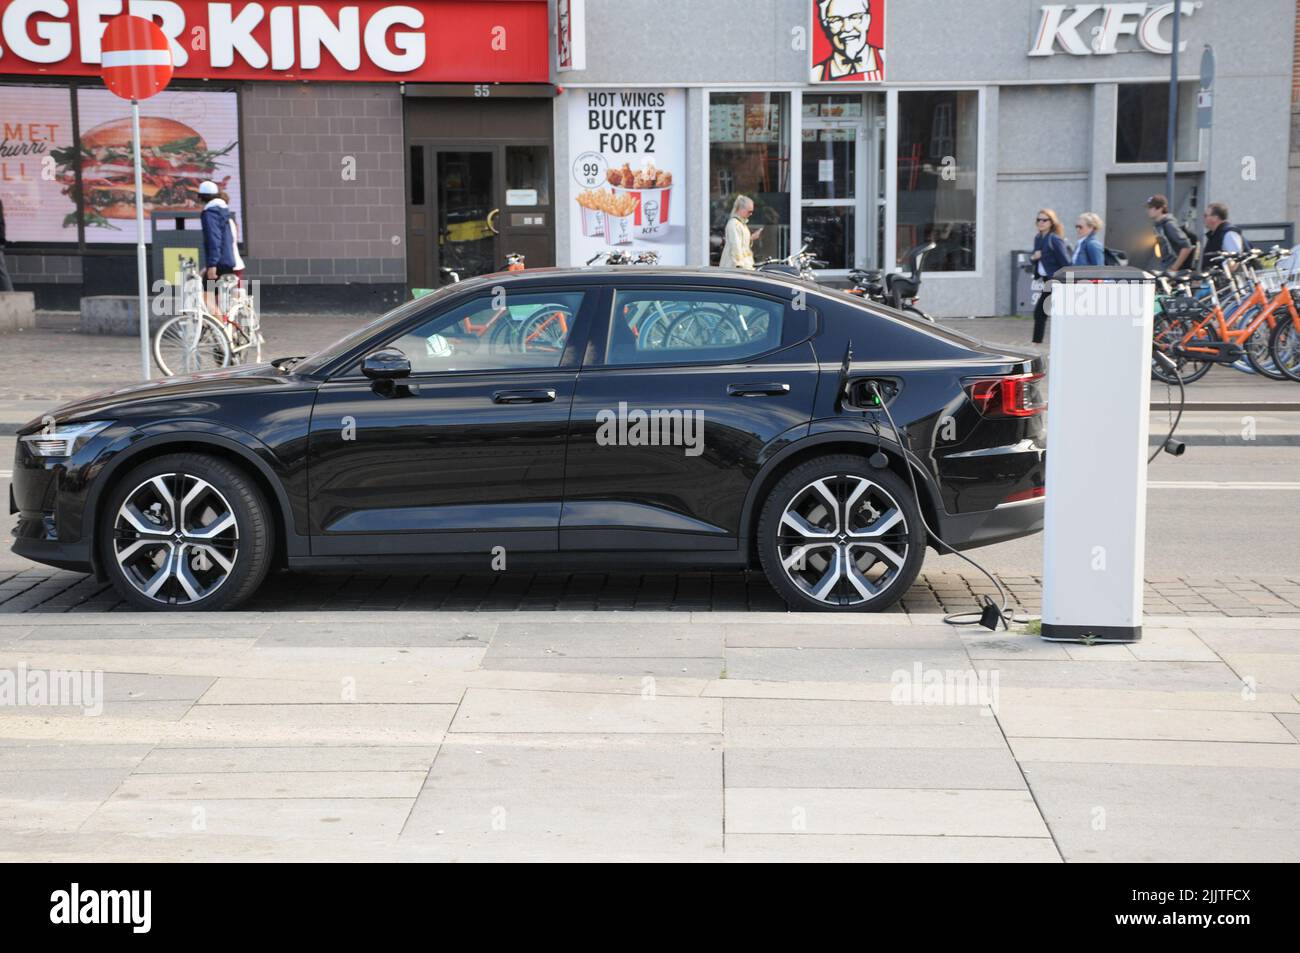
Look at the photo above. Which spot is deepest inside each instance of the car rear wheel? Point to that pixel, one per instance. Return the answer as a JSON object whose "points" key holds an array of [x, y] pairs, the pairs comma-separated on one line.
{"points": [[838, 535], [186, 532]]}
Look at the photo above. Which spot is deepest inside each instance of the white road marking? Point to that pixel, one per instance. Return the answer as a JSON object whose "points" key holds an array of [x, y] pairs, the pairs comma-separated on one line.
{"points": [[1220, 485], [6, 474]]}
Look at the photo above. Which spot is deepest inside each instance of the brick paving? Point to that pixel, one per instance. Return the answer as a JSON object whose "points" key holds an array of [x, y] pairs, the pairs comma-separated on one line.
{"points": [[50, 590]]}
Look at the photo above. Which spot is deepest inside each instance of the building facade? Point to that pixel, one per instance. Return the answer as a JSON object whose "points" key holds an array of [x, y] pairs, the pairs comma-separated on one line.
{"points": [[370, 149], [976, 116]]}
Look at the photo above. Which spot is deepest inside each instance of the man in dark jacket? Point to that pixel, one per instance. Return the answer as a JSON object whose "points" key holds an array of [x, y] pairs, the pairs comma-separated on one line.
{"points": [[218, 242], [1220, 235]]}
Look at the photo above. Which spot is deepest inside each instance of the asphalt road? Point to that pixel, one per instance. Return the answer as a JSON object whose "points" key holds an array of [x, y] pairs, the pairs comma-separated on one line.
{"points": [[1213, 511]]}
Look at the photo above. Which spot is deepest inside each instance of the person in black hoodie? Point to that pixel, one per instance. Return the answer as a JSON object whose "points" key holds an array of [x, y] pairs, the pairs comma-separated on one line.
{"points": [[1050, 255], [6, 283]]}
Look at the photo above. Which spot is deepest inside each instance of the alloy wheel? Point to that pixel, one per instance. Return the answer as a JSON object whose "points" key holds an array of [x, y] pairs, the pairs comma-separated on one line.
{"points": [[843, 540], [175, 539]]}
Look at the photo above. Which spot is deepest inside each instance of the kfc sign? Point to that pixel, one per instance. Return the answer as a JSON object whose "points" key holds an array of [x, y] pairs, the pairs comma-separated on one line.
{"points": [[1065, 25], [848, 41], [423, 41]]}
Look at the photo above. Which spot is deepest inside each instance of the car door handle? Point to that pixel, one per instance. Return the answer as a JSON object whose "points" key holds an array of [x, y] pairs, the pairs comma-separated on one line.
{"points": [[543, 396], [758, 390]]}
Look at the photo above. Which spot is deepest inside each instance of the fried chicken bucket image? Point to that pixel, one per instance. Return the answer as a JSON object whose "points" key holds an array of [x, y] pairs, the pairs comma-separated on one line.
{"points": [[652, 187]]}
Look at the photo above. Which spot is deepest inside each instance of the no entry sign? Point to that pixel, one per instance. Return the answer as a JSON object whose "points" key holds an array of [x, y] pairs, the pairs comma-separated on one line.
{"points": [[136, 57]]}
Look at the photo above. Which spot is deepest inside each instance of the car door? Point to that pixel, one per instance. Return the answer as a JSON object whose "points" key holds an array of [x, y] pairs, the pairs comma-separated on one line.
{"points": [[684, 391], [467, 453]]}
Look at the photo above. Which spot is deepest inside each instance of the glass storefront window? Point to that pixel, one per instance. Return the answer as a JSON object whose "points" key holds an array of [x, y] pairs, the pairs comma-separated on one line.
{"points": [[528, 168], [1142, 123], [938, 166], [749, 154]]}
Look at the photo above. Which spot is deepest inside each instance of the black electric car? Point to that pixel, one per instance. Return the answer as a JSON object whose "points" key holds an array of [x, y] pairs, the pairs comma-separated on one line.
{"points": [[637, 418]]}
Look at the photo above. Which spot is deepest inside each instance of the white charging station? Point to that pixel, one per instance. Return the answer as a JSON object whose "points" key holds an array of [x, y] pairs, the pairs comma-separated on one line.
{"points": [[1098, 396]]}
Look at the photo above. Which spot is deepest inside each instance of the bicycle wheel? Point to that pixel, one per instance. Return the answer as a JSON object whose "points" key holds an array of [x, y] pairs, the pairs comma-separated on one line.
{"points": [[1170, 330], [189, 344], [703, 327], [1284, 347], [1259, 352], [545, 331]]}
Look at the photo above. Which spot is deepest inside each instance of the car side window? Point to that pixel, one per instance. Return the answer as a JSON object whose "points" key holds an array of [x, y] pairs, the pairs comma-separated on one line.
{"points": [[494, 332], [691, 327]]}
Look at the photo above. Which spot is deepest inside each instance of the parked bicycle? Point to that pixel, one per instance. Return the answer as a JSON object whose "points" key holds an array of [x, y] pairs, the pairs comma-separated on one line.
{"points": [[1235, 313], [204, 335], [619, 257], [801, 264]]}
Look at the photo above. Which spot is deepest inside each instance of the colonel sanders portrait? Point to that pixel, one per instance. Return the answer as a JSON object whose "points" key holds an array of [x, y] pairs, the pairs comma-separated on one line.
{"points": [[852, 60]]}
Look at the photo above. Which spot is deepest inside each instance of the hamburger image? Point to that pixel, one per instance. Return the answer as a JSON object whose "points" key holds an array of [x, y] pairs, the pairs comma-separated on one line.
{"points": [[174, 159]]}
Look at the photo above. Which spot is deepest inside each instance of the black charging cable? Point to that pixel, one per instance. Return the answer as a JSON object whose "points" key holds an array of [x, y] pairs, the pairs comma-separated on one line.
{"points": [[992, 612], [1170, 445]]}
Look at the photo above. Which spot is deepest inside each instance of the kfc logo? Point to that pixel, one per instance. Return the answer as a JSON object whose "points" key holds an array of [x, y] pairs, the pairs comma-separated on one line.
{"points": [[848, 41], [1088, 29]]}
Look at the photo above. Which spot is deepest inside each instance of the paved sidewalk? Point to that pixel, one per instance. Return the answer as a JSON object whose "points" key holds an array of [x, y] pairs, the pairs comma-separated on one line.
{"points": [[32, 589], [654, 736]]}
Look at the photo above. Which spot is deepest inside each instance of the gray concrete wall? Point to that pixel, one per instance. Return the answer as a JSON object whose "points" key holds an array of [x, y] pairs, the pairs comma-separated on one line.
{"points": [[306, 223]]}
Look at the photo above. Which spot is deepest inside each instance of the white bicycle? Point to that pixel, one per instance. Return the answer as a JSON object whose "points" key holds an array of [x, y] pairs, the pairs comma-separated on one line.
{"points": [[197, 339]]}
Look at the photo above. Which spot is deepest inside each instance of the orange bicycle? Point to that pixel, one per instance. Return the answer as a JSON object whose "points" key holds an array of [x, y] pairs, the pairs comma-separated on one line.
{"points": [[1196, 336]]}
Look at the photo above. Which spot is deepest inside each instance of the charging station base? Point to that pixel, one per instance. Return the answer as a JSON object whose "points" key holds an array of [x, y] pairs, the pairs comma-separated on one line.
{"points": [[1091, 633]]}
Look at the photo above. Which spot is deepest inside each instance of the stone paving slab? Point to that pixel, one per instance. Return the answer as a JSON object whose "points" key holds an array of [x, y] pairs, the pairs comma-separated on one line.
{"points": [[802, 747]]}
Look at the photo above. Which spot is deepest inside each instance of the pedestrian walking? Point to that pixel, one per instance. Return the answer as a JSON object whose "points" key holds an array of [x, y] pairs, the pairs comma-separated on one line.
{"points": [[737, 250], [6, 283], [1172, 248], [1050, 255], [1089, 251], [1220, 235]]}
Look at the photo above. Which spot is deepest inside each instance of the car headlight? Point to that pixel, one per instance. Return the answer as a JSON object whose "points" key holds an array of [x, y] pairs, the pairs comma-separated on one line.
{"points": [[63, 440]]}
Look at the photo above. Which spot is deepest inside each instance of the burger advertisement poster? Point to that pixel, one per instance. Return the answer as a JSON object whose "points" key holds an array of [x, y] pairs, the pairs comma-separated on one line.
{"points": [[36, 125], [629, 193], [185, 138]]}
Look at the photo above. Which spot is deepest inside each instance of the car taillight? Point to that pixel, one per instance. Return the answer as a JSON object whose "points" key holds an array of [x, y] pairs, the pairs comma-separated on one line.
{"points": [[1020, 395], [1033, 493]]}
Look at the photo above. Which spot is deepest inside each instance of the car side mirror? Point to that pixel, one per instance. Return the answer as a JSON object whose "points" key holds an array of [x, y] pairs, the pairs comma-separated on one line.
{"points": [[386, 364]]}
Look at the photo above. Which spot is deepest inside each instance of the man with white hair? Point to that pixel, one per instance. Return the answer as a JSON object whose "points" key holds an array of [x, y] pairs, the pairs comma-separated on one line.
{"points": [[736, 250], [852, 59]]}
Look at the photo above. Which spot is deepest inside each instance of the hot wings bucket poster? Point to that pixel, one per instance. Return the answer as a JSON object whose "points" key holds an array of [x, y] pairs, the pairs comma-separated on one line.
{"points": [[628, 193]]}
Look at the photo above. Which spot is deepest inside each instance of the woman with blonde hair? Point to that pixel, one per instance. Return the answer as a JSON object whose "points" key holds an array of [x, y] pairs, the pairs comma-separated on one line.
{"points": [[1050, 255], [1089, 251]]}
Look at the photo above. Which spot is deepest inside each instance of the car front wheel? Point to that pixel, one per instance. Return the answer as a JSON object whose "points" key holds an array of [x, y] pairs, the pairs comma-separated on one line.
{"points": [[186, 532], [838, 535]]}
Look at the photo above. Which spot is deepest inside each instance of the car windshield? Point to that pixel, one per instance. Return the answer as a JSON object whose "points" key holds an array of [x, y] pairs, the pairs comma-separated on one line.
{"points": [[347, 342]]}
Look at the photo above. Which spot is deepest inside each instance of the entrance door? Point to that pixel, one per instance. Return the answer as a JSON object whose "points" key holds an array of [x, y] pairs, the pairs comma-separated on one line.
{"points": [[842, 159], [463, 213], [479, 177]]}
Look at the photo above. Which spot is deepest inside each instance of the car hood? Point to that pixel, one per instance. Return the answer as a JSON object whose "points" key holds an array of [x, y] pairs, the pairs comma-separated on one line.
{"points": [[207, 384]]}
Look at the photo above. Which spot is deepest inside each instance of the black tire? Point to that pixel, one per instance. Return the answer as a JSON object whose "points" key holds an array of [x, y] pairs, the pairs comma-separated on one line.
{"points": [[197, 581], [1285, 350], [1260, 356], [1168, 331], [839, 473]]}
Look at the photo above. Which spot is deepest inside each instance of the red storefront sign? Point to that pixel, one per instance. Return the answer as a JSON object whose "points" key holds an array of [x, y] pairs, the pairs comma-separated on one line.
{"points": [[426, 41]]}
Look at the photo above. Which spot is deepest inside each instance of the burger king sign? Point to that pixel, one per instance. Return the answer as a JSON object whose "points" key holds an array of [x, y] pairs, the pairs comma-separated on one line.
{"points": [[422, 41]]}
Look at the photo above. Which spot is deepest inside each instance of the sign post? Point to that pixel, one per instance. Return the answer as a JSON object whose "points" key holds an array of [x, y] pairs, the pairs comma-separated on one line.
{"points": [[137, 63], [1205, 122]]}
